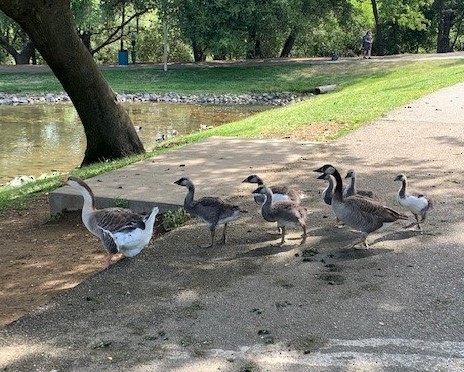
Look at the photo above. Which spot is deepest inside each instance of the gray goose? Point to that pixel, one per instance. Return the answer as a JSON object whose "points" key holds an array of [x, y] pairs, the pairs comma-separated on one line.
{"points": [[418, 204], [362, 214], [285, 213], [279, 193], [120, 230], [212, 210], [351, 189]]}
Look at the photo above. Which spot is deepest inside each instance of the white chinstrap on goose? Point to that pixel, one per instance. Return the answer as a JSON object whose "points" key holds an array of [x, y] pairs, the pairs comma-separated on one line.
{"points": [[418, 204], [120, 230], [285, 213], [212, 210], [363, 214]]}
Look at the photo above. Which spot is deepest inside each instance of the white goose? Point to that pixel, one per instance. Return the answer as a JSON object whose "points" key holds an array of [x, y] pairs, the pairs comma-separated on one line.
{"points": [[418, 204], [120, 230]]}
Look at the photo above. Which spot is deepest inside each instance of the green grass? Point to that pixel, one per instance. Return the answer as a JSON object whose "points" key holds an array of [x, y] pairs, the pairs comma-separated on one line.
{"points": [[364, 92]]}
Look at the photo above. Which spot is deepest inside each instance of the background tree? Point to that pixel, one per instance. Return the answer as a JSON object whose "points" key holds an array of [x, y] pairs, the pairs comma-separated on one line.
{"points": [[16, 42], [108, 128], [448, 15]]}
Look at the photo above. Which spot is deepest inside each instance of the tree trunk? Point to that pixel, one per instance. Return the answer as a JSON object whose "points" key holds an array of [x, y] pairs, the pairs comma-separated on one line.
{"points": [[379, 43], [288, 45], [198, 52], [24, 56], [109, 131], [444, 27]]}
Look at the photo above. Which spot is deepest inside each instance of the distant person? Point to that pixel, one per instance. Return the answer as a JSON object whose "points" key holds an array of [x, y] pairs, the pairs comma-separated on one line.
{"points": [[367, 44]]}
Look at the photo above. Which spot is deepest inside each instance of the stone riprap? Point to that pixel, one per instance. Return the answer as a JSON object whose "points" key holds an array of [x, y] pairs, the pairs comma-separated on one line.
{"points": [[276, 99]]}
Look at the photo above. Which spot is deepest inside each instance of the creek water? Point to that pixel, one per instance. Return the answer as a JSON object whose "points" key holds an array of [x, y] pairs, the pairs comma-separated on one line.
{"points": [[38, 139]]}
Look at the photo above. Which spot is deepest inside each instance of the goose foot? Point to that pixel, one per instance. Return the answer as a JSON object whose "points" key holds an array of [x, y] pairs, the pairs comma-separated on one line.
{"points": [[107, 264], [410, 225], [362, 244]]}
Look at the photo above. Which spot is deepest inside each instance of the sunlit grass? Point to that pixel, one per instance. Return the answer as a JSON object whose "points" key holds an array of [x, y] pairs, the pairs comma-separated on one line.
{"points": [[365, 91]]}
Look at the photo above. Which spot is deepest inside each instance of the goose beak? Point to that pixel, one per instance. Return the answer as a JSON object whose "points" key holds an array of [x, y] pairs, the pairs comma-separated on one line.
{"points": [[397, 178], [319, 170], [64, 181], [321, 177]]}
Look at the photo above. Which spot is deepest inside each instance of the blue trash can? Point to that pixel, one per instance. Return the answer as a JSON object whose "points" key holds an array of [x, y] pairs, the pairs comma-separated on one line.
{"points": [[123, 57]]}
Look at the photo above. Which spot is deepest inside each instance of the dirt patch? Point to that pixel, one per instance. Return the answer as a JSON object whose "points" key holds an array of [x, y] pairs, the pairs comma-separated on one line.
{"points": [[41, 257]]}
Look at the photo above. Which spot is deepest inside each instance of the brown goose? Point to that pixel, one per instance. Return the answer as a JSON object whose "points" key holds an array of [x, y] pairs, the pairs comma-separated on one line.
{"points": [[362, 214], [285, 213], [279, 193], [418, 204], [212, 210], [120, 230]]}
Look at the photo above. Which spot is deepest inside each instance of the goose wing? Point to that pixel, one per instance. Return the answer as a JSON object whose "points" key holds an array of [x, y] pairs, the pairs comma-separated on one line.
{"points": [[367, 215], [118, 219], [369, 194], [208, 208], [288, 211], [280, 189]]}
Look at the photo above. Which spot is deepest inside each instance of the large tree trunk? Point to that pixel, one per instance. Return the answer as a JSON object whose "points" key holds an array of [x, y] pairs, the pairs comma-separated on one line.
{"points": [[379, 43], [288, 45], [109, 131], [444, 27]]}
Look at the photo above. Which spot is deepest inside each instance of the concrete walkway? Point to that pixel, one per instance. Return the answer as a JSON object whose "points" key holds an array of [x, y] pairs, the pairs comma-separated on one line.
{"points": [[252, 306], [214, 165]]}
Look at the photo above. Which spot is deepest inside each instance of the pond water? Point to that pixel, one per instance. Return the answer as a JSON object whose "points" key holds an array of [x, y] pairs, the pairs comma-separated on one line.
{"points": [[38, 139]]}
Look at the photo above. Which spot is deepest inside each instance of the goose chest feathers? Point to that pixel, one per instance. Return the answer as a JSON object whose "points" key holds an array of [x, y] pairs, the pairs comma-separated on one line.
{"points": [[120, 230], [212, 210], [279, 193], [418, 204], [285, 213], [362, 214]]}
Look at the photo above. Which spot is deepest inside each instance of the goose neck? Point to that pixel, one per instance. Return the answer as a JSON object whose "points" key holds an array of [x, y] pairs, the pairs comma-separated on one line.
{"points": [[338, 190], [89, 198], [402, 190], [190, 195]]}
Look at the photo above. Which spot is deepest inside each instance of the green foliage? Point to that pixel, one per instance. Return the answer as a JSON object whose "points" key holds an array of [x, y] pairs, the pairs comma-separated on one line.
{"points": [[121, 203], [150, 46], [172, 219]]}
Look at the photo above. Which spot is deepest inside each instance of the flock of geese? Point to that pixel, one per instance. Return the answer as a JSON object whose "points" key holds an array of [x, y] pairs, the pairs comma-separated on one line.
{"points": [[121, 230]]}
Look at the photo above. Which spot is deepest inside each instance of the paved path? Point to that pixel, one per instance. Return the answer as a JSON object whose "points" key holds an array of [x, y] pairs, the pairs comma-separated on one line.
{"points": [[252, 306]]}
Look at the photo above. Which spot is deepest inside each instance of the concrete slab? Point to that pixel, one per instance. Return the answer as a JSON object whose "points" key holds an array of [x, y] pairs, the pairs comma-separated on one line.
{"points": [[216, 166]]}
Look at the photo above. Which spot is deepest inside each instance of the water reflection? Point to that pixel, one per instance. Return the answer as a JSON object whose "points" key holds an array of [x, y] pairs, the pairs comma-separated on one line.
{"points": [[37, 139]]}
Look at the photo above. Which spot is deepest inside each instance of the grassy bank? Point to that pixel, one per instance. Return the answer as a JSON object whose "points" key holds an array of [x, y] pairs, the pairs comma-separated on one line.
{"points": [[364, 91]]}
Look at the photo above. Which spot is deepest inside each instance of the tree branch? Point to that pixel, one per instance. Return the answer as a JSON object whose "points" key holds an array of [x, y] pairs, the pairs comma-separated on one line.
{"points": [[112, 37]]}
